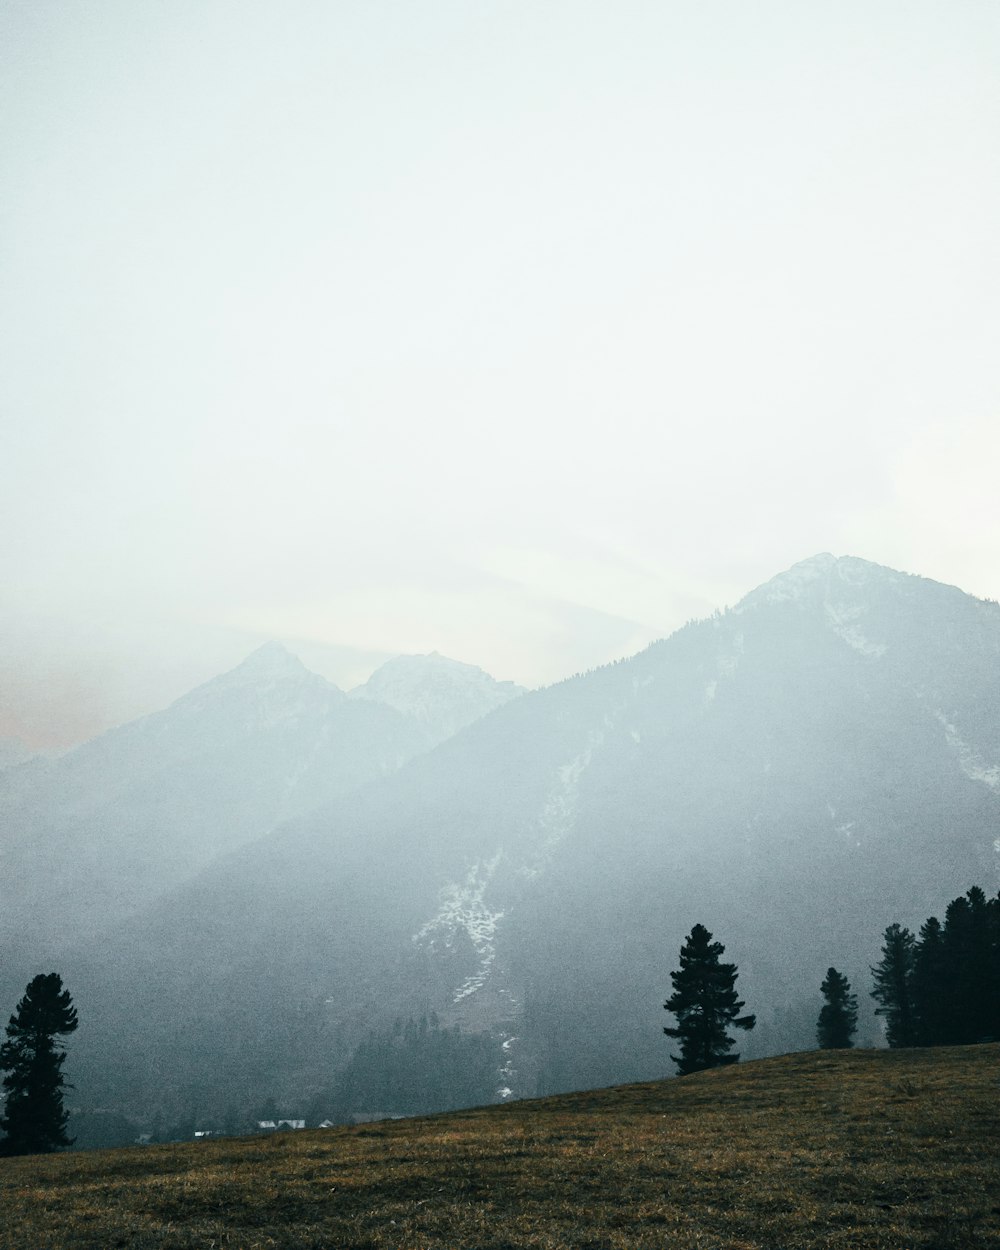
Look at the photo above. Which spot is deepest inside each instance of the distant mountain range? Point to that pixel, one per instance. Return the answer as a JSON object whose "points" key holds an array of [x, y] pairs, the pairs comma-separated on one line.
{"points": [[795, 773], [96, 835]]}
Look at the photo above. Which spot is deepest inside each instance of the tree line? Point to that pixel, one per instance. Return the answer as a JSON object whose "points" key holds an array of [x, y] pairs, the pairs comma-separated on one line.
{"points": [[416, 1067], [941, 988], [938, 988]]}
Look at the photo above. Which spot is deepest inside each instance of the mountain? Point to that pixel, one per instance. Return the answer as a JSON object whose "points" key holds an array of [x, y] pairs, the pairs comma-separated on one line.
{"points": [[794, 773], [442, 695], [96, 835], [12, 752]]}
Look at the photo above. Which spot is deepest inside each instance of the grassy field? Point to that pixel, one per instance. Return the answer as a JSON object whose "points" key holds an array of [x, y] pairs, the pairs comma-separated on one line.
{"points": [[859, 1149]]}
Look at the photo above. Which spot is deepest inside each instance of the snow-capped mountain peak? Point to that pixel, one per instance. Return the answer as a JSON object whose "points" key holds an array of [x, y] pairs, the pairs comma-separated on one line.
{"points": [[818, 578], [444, 695]]}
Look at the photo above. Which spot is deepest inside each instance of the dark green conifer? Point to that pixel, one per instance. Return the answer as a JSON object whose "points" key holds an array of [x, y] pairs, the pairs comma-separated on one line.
{"points": [[931, 990], [705, 1004], [838, 1018], [33, 1120], [893, 987], [969, 941]]}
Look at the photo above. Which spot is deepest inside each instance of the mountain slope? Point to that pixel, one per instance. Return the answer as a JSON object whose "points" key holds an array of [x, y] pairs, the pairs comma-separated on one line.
{"points": [[795, 774], [13, 752], [95, 835]]}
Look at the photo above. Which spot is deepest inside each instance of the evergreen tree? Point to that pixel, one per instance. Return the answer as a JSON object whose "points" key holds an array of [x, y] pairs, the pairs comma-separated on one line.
{"points": [[960, 984], [894, 985], [705, 1004], [930, 987], [944, 988], [33, 1117], [838, 1018], [969, 940], [992, 992]]}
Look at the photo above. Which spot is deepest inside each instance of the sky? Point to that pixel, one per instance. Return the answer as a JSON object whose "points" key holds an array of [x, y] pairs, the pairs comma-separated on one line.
{"points": [[522, 331]]}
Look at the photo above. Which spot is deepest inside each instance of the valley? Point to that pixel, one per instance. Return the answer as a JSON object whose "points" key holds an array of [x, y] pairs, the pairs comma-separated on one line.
{"points": [[271, 882]]}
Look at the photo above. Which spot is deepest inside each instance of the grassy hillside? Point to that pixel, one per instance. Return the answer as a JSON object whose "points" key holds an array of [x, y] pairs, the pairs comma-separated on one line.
{"points": [[887, 1149]]}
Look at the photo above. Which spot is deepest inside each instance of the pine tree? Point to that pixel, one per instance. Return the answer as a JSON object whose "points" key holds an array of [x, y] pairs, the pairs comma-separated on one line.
{"points": [[838, 1018], [705, 1004], [969, 954], [992, 990], [894, 986], [930, 987], [33, 1117], [958, 957]]}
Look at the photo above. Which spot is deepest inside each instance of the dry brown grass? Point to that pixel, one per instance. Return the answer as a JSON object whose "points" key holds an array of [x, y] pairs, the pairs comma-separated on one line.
{"points": [[867, 1150]]}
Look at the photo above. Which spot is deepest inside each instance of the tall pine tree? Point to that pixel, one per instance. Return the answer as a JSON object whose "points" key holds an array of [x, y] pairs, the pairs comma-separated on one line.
{"points": [[970, 941], [33, 1117], [931, 990], [838, 1018], [705, 1004], [893, 987]]}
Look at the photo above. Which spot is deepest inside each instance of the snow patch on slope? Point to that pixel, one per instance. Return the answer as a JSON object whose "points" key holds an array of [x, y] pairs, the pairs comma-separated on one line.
{"points": [[842, 620], [508, 1073], [558, 814], [969, 760], [463, 911], [462, 906]]}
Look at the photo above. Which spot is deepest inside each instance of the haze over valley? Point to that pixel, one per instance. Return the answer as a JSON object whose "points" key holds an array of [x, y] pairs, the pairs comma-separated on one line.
{"points": [[485, 489], [244, 887]]}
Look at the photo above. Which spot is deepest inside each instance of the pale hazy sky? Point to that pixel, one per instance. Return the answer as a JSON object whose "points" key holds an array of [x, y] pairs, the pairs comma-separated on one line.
{"points": [[524, 331]]}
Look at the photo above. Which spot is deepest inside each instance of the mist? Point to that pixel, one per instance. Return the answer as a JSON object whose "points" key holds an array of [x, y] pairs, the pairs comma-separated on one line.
{"points": [[520, 334], [483, 488]]}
